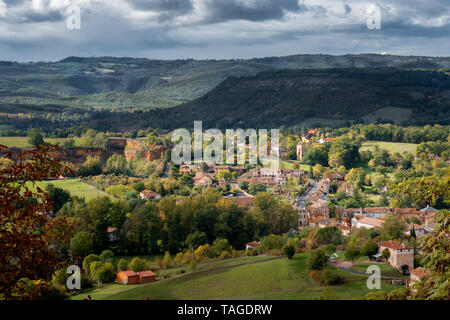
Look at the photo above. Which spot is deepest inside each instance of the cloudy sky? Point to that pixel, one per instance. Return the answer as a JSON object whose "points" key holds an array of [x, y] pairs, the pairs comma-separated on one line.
{"points": [[36, 30]]}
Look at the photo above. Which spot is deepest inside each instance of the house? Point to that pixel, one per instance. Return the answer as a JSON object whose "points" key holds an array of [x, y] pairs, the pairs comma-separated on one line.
{"points": [[324, 185], [375, 212], [127, 277], [203, 179], [366, 222], [132, 277], [112, 234], [417, 275], [252, 245], [316, 210], [149, 195], [146, 276], [419, 229], [401, 255], [188, 169]]}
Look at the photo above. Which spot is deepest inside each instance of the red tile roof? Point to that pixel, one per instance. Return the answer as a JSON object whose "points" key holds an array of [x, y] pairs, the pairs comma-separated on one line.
{"points": [[394, 245], [420, 272], [129, 273], [371, 221], [111, 229], [147, 273], [253, 243], [149, 193]]}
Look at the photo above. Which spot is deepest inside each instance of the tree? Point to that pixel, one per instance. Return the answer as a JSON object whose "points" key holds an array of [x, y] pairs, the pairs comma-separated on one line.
{"points": [[435, 248], [35, 138], [329, 235], [167, 260], [220, 245], [356, 177], [352, 254], [58, 196], [91, 167], [196, 239], [138, 264], [369, 249], [107, 256], [106, 273], [26, 234], [255, 188], [289, 251], [393, 228], [316, 259], [117, 164], [88, 260], [271, 242], [122, 265], [81, 244], [386, 254]]}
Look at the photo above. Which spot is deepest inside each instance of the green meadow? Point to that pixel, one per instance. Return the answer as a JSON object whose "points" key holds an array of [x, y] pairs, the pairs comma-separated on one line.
{"points": [[392, 147], [241, 278], [76, 187]]}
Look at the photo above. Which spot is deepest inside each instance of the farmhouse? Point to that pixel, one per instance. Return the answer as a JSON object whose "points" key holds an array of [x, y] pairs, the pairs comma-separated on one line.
{"points": [[417, 275], [203, 179], [252, 245], [401, 255], [131, 277], [366, 222], [127, 277], [149, 195]]}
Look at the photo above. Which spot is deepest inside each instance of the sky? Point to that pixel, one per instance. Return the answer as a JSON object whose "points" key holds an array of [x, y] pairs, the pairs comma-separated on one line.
{"points": [[48, 30]]}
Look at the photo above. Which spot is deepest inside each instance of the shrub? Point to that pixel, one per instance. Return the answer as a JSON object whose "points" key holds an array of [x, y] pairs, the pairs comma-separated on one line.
{"points": [[179, 258], [330, 277], [220, 245], [87, 262], [167, 261], [138, 264], [316, 259], [275, 252], [271, 242], [289, 251], [60, 276], [122, 265], [225, 255], [204, 251], [106, 256]]}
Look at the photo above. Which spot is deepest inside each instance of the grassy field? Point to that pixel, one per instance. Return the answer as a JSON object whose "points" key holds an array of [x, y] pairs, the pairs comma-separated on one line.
{"points": [[386, 270], [22, 142], [76, 187], [273, 279], [392, 147]]}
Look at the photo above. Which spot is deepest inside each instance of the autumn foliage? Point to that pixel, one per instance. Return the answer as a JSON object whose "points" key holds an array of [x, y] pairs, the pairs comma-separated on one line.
{"points": [[28, 237]]}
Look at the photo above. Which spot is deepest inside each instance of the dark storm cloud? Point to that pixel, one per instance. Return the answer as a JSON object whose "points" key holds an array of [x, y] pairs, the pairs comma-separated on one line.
{"points": [[256, 10], [50, 16]]}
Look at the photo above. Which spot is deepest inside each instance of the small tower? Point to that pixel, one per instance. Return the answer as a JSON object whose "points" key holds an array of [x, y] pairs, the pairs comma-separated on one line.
{"points": [[300, 151]]}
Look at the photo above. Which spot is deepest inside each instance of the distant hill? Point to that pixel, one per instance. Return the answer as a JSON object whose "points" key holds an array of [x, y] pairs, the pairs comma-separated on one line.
{"points": [[131, 83], [288, 97]]}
